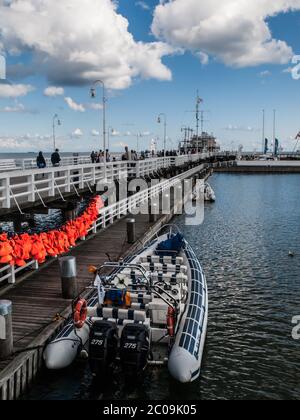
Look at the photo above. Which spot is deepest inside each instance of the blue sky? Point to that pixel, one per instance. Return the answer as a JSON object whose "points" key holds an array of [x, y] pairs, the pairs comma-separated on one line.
{"points": [[233, 95]]}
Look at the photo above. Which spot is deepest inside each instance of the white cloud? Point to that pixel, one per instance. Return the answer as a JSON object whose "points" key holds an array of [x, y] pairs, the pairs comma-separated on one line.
{"points": [[14, 91], [18, 107], [143, 5], [95, 133], [265, 73], [231, 127], [25, 142], [75, 42], [234, 31], [53, 91], [288, 70], [77, 133], [95, 107], [74, 105], [204, 58]]}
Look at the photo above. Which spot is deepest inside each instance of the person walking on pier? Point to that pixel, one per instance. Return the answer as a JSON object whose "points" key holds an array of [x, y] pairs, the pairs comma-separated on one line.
{"points": [[40, 161], [55, 158], [93, 157]]}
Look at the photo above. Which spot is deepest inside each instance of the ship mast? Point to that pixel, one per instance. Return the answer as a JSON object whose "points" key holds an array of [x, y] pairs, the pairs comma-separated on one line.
{"points": [[198, 102]]}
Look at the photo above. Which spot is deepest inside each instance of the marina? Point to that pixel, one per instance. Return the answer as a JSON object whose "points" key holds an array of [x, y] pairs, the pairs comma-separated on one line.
{"points": [[17, 373], [253, 287], [149, 203]]}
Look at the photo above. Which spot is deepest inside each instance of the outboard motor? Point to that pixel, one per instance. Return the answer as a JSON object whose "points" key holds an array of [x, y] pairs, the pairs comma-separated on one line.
{"points": [[134, 349], [103, 346]]}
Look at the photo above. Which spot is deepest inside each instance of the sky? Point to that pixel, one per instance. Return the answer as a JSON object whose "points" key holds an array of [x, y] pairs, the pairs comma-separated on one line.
{"points": [[153, 56]]}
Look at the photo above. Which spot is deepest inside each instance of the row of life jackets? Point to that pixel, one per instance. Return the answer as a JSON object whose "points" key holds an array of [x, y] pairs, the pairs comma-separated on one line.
{"points": [[24, 247]]}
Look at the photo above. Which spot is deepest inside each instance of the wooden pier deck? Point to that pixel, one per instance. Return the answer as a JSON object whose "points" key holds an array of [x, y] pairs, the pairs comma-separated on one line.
{"points": [[37, 300]]}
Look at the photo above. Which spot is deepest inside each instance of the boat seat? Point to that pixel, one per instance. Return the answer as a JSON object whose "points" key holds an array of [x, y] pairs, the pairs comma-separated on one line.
{"points": [[121, 323], [172, 278], [140, 298], [139, 306], [157, 259], [165, 268], [116, 313]]}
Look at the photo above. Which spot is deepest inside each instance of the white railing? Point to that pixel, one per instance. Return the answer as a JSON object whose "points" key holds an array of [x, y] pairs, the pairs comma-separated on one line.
{"points": [[19, 187], [126, 206], [65, 161], [109, 214], [30, 163]]}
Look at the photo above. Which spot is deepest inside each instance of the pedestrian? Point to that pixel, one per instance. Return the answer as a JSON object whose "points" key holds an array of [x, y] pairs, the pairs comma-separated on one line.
{"points": [[101, 157], [55, 158], [40, 161], [93, 157]]}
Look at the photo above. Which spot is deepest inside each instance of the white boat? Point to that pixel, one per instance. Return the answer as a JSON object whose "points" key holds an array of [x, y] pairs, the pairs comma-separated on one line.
{"points": [[151, 309], [206, 192], [209, 194]]}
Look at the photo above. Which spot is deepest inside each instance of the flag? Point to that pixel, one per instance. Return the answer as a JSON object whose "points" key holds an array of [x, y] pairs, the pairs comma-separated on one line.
{"points": [[266, 146], [276, 147]]}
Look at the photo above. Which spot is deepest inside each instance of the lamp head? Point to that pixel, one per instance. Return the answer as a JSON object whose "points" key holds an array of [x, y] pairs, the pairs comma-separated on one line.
{"points": [[93, 93], [159, 120]]}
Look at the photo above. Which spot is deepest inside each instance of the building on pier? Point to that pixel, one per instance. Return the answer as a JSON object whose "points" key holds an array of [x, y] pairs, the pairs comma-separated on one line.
{"points": [[205, 143], [202, 143]]}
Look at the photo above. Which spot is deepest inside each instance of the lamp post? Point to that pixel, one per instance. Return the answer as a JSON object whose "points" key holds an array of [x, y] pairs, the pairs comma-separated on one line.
{"points": [[165, 129], [93, 95], [55, 121], [110, 131]]}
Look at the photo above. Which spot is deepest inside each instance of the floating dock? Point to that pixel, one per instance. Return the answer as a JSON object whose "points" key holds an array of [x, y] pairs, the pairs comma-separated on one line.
{"points": [[263, 167]]}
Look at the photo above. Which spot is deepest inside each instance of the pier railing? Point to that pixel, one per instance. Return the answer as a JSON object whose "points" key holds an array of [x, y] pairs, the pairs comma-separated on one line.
{"points": [[33, 185], [65, 161], [109, 214]]}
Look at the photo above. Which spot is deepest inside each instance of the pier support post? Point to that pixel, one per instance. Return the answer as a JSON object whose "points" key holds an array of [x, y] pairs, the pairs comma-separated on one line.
{"points": [[68, 277], [153, 215], [131, 232], [6, 331]]}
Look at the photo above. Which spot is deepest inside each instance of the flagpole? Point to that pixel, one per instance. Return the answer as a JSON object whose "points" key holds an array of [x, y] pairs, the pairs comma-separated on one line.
{"points": [[274, 130], [263, 130]]}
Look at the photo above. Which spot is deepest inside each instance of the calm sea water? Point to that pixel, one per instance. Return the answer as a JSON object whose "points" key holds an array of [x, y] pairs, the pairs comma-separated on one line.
{"points": [[254, 291]]}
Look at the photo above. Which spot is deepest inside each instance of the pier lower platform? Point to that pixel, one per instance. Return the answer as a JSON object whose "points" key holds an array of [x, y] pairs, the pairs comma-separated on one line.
{"points": [[263, 167]]}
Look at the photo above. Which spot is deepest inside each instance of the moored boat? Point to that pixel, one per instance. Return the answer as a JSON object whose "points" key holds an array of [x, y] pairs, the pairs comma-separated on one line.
{"points": [[206, 192], [151, 309]]}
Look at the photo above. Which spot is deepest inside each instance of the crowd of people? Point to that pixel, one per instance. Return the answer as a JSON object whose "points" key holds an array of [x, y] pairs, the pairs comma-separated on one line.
{"points": [[99, 157]]}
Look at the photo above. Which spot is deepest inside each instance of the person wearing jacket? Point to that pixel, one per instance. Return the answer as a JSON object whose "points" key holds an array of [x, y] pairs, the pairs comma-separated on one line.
{"points": [[40, 161], [55, 158]]}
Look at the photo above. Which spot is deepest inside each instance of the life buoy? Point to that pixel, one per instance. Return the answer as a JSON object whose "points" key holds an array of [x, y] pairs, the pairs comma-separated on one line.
{"points": [[80, 313], [171, 321]]}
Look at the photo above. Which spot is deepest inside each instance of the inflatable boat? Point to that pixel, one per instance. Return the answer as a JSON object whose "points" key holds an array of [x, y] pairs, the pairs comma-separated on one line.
{"points": [[150, 309], [206, 192]]}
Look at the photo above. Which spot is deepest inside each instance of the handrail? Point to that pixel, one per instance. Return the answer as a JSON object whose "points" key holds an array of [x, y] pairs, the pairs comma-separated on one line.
{"points": [[27, 184], [108, 214]]}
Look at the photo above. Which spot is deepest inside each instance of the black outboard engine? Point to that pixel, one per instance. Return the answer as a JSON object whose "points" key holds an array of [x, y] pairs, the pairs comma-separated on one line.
{"points": [[134, 349], [103, 346]]}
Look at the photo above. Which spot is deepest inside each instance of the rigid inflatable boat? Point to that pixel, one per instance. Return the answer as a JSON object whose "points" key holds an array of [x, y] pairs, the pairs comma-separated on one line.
{"points": [[206, 192], [150, 309]]}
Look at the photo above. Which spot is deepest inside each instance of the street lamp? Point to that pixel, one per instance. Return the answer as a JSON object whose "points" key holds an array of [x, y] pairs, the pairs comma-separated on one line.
{"points": [[55, 121], [109, 132], [165, 129], [93, 96]]}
